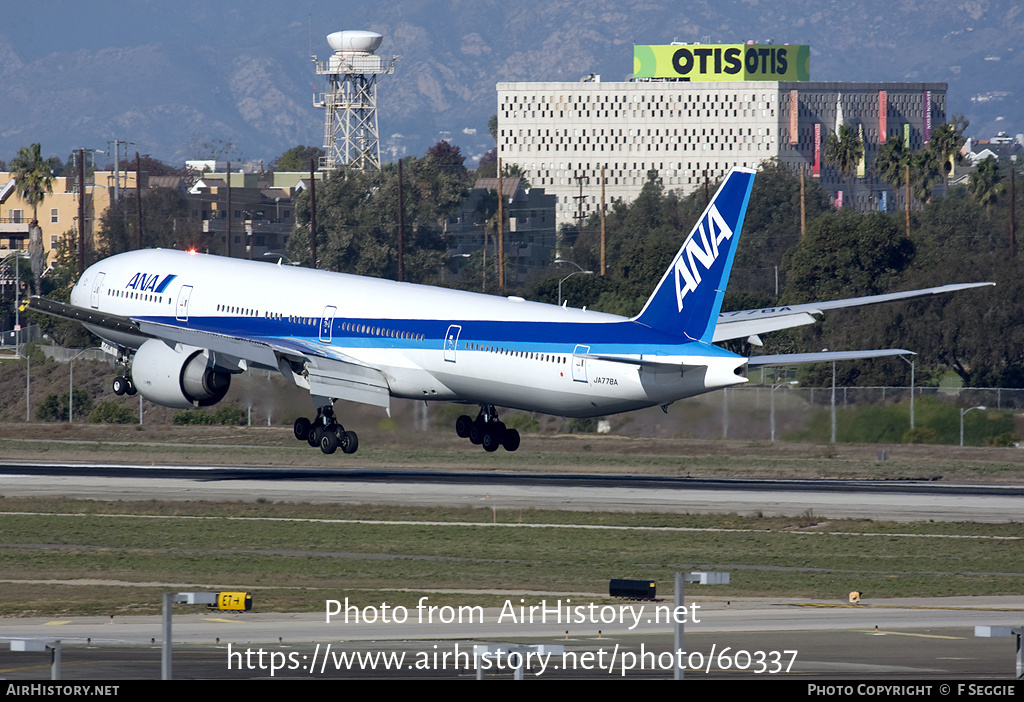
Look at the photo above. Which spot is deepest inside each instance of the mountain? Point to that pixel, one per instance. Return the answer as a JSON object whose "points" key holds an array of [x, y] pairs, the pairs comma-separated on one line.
{"points": [[194, 79]]}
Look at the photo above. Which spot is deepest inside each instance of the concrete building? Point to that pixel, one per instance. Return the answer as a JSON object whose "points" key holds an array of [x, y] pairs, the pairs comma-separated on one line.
{"points": [[58, 212], [562, 134], [262, 213], [530, 237]]}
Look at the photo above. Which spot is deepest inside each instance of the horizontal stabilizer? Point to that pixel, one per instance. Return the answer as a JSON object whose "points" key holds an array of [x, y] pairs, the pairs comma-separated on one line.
{"points": [[786, 359], [744, 323]]}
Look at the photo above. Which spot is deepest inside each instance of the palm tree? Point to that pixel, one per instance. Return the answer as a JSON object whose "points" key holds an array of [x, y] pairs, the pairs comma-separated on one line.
{"points": [[946, 141], [925, 172], [844, 150], [892, 161], [34, 176], [985, 183]]}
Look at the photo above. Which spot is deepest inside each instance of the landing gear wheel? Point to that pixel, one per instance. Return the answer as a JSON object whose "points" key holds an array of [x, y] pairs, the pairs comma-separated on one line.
{"points": [[349, 442], [511, 440], [302, 428], [491, 439], [131, 390], [476, 431], [328, 441], [120, 386], [313, 438], [463, 425]]}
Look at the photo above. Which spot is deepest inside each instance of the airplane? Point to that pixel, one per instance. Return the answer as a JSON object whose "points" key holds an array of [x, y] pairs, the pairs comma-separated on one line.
{"points": [[183, 323]]}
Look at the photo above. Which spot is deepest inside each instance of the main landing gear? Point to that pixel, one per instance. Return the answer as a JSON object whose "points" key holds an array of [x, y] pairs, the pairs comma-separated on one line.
{"points": [[326, 433], [487, 430]]}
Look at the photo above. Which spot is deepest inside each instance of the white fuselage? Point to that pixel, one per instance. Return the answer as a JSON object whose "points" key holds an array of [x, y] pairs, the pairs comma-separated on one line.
{"points": [[429, 343]]}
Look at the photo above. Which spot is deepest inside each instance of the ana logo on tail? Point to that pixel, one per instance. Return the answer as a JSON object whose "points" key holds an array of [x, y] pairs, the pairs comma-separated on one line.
{"points": [[702, 247]]}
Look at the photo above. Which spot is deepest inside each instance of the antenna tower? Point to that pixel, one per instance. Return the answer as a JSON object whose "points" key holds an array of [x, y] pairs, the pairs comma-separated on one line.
{"points": [[350, 124]]}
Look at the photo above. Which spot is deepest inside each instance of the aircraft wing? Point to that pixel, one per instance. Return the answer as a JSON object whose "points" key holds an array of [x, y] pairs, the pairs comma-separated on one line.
{"points": [[786, 359], [96, 318], [749, 323]]}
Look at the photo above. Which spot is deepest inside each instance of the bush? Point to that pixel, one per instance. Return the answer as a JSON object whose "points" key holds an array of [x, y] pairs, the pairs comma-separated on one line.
{"points": [[581, 426], [920, 435], [523, 423], [110, 412], [1005, 439], [228, 414], [192, 417], [55, 408]]}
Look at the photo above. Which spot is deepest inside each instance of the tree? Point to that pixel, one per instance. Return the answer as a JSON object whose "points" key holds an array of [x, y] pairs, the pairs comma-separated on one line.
{"points": [[444, 155], [296, 159], [946, 142], [33, 174], [925, 173], [892, 161], [165, 224], [488, 165], [357, 217], [985, 182], [492, 127], [844, 150], [34, 177]]}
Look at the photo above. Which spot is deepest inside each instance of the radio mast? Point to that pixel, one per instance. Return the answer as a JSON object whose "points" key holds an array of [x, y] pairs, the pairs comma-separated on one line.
{"points": [[350, 124]]}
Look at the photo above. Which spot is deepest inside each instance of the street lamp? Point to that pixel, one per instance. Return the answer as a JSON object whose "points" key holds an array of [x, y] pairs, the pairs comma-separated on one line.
{"points": [[906, 360], [581, 270], [71, 383], [962, 413], [776, 386]]}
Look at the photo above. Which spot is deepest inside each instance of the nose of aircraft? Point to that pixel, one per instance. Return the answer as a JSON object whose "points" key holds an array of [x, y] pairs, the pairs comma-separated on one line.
{"points": [[80, 293]]}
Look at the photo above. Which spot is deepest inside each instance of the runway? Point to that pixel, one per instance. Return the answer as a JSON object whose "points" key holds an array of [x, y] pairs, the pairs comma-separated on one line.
{"points": [[904, 500]]}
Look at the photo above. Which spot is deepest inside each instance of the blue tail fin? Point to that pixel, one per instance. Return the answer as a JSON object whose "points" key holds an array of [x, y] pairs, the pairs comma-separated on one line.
{"points": [[689, 296]]}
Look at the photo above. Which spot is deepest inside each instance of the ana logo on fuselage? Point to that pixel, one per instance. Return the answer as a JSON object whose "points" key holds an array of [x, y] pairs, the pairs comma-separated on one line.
{"points": [[150, 283], [702, 247]]}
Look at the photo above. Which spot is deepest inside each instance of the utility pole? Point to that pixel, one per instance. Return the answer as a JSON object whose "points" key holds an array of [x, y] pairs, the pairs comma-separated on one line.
{"points": [[312, 212], [602, 220], [501, 233], [803, 205], [906, 191], [228, 213], [401, 229], [117, 165], [81, 212], [138, 198], [579, 203], [1013, 218]]}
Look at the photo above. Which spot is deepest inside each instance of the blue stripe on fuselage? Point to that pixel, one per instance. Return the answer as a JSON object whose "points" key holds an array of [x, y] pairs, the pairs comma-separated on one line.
{"points": [[625, 337]]}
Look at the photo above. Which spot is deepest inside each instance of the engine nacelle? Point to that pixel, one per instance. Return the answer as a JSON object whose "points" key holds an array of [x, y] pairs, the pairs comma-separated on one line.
{"points": [[181, 379]]}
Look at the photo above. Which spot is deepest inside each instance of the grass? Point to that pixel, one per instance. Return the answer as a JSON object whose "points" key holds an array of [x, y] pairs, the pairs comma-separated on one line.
{"points": [[121, 555]]}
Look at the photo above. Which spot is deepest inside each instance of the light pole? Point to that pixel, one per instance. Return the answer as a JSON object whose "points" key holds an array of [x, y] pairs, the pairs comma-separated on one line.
{"points": [[776, 386], [912, 392], [581, 270], [962, 413], [71, 383]]}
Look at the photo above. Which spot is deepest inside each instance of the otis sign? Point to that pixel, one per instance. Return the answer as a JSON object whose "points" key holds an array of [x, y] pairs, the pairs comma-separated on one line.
{"points": [[707, 62]]}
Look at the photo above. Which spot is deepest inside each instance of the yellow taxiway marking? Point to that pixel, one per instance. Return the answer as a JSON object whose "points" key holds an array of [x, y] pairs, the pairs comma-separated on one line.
{"points": [[920, 636], [55, 623], [223, 621]]}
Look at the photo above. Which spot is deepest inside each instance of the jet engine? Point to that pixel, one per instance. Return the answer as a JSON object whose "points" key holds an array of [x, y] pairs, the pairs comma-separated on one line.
{"points": [[182, 376]]}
